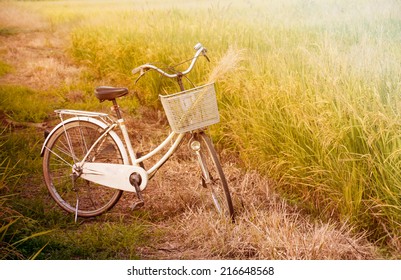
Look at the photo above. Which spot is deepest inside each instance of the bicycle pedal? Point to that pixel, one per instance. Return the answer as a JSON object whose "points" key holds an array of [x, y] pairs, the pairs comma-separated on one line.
{"points": [[137, 205]]}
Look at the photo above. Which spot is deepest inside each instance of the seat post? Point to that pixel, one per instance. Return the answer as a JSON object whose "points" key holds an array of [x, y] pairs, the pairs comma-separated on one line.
{"points": [[116, 109]]}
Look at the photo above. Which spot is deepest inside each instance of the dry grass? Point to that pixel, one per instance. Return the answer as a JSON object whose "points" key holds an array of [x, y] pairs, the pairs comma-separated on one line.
{"points": [[266, 227], [228, 62], [29, 55]]}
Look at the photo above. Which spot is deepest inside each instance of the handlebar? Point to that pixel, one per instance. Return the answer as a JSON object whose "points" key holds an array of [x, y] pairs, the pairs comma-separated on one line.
{"points": [[200, 50]]}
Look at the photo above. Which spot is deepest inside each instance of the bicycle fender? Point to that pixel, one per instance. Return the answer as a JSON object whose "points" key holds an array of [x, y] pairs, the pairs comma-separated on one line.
{"points": [[94, 121]]}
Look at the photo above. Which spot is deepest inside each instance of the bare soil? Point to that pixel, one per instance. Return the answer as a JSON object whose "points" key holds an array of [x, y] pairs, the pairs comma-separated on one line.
{"points": [[266, 227]]}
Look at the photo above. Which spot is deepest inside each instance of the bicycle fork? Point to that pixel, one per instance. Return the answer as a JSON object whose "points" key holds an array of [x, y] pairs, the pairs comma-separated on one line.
{"points": [[207, 179], [196, 147]]}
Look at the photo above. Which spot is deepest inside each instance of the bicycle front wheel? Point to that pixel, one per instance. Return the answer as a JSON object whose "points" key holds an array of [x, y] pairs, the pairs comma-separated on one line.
{"points": [[68, 145], [213, 178]]}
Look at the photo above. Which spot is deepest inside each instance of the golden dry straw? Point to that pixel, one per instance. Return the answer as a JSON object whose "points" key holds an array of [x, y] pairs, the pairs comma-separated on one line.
{"points": [[229, 61]]}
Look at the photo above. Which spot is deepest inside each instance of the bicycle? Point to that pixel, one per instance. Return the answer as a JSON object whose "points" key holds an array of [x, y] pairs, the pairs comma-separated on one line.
{"points": [[87, 166]]}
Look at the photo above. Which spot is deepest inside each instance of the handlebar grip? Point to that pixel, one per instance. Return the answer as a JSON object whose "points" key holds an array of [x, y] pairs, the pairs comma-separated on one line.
{"points": [[198, 46], [142, 68], [136, 70]]}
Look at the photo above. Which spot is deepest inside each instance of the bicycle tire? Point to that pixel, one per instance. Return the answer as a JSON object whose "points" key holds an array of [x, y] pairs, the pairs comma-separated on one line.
{"points": [[218, 187], [68, 144]]}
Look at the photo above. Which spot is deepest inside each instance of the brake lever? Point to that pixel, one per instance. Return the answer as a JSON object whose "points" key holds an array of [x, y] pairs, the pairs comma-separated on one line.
{"points": [[139, 77], [205, 55], [136, 70], [142, 70]]}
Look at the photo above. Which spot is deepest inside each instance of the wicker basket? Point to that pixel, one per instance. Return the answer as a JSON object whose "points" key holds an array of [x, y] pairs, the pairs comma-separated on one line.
{"points": [[191, 109]]}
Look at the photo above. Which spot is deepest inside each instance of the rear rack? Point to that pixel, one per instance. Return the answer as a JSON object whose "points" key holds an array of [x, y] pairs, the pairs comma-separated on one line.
{"points": [[78, 113]]}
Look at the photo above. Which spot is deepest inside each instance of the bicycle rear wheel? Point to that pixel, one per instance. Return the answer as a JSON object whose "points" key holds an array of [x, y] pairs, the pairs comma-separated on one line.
{"points": [[68, 145], [213, 178]]}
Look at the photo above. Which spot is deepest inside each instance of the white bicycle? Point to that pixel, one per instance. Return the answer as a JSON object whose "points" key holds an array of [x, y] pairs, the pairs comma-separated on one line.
{"points": [[87, 166]]}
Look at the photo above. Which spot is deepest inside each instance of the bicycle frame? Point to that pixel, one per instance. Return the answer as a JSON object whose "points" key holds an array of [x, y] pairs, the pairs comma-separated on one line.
{"points": [[136, 161]]}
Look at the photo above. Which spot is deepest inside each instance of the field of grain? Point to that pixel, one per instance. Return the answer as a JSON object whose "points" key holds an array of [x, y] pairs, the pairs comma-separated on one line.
{"points": [[313, 104]]}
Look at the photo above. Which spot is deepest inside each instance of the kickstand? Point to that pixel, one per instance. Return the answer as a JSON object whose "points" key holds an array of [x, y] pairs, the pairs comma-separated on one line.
{"points": [[73, 179], [76, 210]]}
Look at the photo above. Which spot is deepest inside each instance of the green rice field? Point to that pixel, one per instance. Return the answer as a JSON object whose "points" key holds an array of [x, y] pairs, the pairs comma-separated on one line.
{"points": [[314, 103]]}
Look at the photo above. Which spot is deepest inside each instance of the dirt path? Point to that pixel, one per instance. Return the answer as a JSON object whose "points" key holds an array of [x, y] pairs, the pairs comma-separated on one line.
{"points": [[36, 53], [266, 227]]}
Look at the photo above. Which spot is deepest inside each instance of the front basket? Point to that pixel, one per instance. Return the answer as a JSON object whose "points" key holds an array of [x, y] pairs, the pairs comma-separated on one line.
{"points": [[191, 109]]}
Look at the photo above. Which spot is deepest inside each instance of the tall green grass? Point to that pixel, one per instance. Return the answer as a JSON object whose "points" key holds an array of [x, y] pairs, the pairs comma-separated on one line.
{"points": [[16, 229], [315, 105], [22, 104]]}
